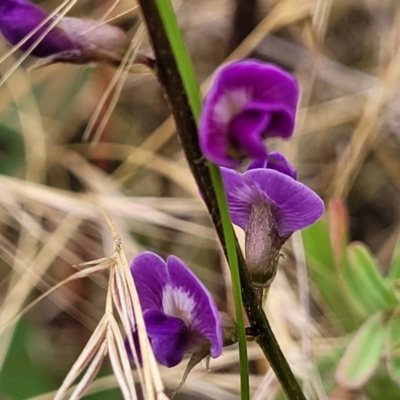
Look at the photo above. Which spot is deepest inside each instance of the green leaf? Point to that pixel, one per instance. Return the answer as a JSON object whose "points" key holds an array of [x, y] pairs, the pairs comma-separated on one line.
{"points": [[363, 279], [393, 348], [362, 354], [325, 278], [181, 55], [394, 272], [381, 386], [317, 243]]}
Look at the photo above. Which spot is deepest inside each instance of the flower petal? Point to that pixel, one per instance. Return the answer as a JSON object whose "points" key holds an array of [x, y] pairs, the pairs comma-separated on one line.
{"points": [[277, 162], [149, 272], [297, 205], [239, 204], [245, 131], [18, 18], [281, 117], [204, 318], [169, 337]]}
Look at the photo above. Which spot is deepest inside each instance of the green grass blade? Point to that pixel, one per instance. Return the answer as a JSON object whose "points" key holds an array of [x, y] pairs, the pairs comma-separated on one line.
{"points": [[181, 55], [233, 263]]}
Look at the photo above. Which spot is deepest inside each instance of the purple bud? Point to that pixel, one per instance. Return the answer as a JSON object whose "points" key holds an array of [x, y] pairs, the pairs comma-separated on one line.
{"points": [[18, 18], [98, 42], [72, 40]]}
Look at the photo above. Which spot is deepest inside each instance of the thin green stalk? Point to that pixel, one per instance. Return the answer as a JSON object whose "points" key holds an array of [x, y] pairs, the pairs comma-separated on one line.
{"points": [[182, 58], [236, 285]]}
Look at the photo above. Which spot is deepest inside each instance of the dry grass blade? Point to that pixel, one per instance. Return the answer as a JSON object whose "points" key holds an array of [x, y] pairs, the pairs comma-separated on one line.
{"points": [[153, 385], [330, 71], [367, 131], [106, 338], [125, 310], [82, 206], [108, 334], [116, 83], [161, 165], [119, 359], [312, 380], [121, 14], [101, 265], [87, 354], [320, 17], [90, 373], [284, 13], [20, 287], [126, 316], [117, 368], [110, 9], [31, 124], [158, 138]]}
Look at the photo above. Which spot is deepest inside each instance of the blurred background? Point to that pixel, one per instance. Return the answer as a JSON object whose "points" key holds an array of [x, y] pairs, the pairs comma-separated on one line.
{"points": [[72, 134]]}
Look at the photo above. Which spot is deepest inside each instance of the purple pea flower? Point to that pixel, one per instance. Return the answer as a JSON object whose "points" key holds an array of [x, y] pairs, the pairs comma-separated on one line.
{"points": [[269, 205], [179, 313], [72, 40], [249, 101]]}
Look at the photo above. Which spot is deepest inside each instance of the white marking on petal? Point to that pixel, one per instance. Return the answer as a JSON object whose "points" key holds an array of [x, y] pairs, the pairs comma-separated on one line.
{"points": [[178, 303], [229, 104], [248, 193]]}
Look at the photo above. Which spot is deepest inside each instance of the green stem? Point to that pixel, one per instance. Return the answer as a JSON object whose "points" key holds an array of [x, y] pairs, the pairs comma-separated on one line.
{"points": [[176, 75], [229, 236]]}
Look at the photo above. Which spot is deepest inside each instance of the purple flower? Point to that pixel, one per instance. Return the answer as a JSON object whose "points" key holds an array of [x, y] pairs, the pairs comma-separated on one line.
{"points": [[72, 40], [249, 101], [269, 205], [179, 313]]}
